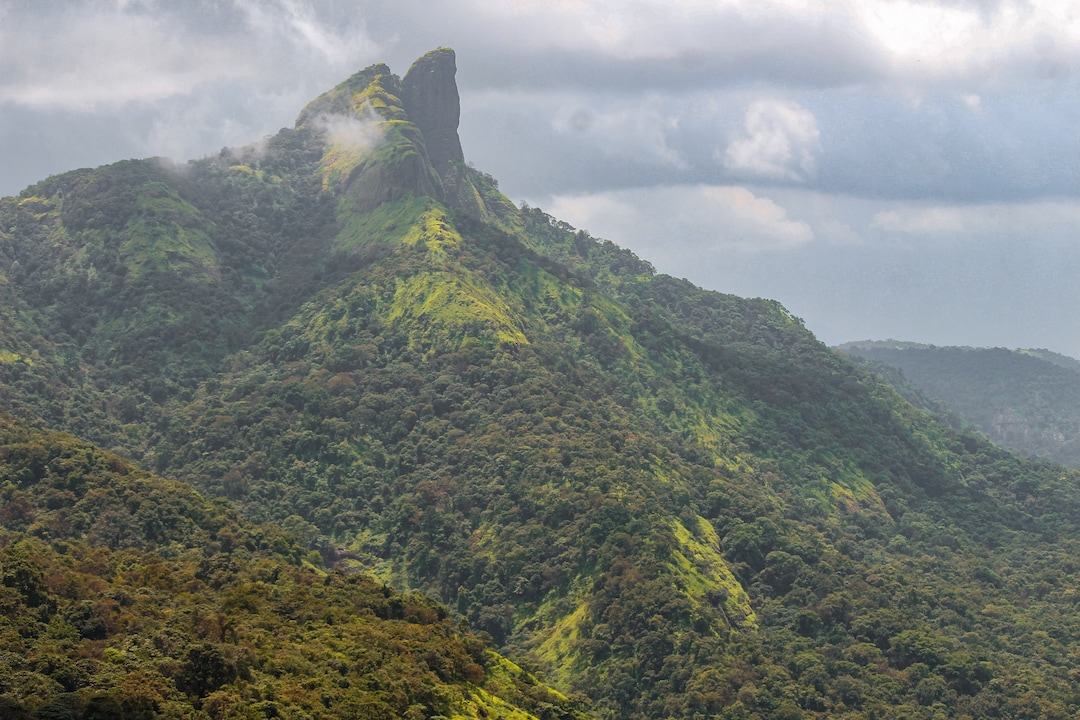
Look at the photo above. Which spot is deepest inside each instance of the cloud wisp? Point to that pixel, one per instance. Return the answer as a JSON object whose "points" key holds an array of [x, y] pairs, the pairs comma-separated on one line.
{"points": [[351, 133]]}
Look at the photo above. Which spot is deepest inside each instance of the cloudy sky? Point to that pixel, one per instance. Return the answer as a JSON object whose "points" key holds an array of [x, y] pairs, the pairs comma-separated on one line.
{"points": [[885, 168]]}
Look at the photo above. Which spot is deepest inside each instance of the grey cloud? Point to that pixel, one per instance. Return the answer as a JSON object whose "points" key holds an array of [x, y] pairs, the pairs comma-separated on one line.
{"points": [[643, 130], [876, 144], [717, 49], [699, 72]]}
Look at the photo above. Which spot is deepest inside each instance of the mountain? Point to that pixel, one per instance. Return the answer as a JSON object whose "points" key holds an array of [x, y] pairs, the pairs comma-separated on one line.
{"points": [[1025, 400], [667, 501]]}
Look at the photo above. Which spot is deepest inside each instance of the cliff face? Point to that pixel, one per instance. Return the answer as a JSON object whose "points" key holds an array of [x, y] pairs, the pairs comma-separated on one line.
{"points": [[430, 95], [429, 92]]}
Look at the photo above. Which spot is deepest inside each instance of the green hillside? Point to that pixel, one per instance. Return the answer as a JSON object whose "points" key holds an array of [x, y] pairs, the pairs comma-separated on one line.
{"points": [[667, 501], [128, 596], [1025, 400]]}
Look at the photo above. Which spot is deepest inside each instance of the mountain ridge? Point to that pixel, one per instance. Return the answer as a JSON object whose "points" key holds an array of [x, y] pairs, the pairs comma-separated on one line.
{"points": [[1027, 400], [674, 501]]}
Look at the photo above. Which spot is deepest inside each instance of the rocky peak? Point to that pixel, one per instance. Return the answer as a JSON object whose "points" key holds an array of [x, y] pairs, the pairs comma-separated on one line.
{"points": [[430, 96], [372, 89], [421, 156]]}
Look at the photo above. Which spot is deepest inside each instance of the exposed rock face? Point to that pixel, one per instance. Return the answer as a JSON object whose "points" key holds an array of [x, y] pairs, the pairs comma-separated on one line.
{"points": [[430, 96], [420, 157], [390, 162]]}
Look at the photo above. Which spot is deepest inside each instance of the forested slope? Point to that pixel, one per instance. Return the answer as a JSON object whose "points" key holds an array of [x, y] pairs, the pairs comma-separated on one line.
{"points": [[676, 502], [128, 596]]}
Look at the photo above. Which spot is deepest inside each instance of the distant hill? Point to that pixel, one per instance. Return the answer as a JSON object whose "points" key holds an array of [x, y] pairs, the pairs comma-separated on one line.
{"points": [[666, 502], [1024, 400]]}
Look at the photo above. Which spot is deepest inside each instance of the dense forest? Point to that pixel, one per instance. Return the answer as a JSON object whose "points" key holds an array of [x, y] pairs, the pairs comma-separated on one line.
{"points": [[128, 596], [433, 424], [1025, 400]]}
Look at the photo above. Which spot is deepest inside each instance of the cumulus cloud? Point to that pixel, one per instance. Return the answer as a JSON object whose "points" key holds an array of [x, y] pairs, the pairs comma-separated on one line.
{"points": [[677, 222], [780, 141]]}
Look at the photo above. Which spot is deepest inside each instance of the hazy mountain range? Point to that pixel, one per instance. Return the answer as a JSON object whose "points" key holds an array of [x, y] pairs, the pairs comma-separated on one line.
{"points": [[1024, 400]]}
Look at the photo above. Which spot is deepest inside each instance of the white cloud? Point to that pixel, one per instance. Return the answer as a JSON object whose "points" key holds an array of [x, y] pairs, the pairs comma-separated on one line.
{"points": [[101, 55], [756, 222], [958, 39], [780, 141], [1050, 218], [679, 222], [92, 58], [912, 31]]}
